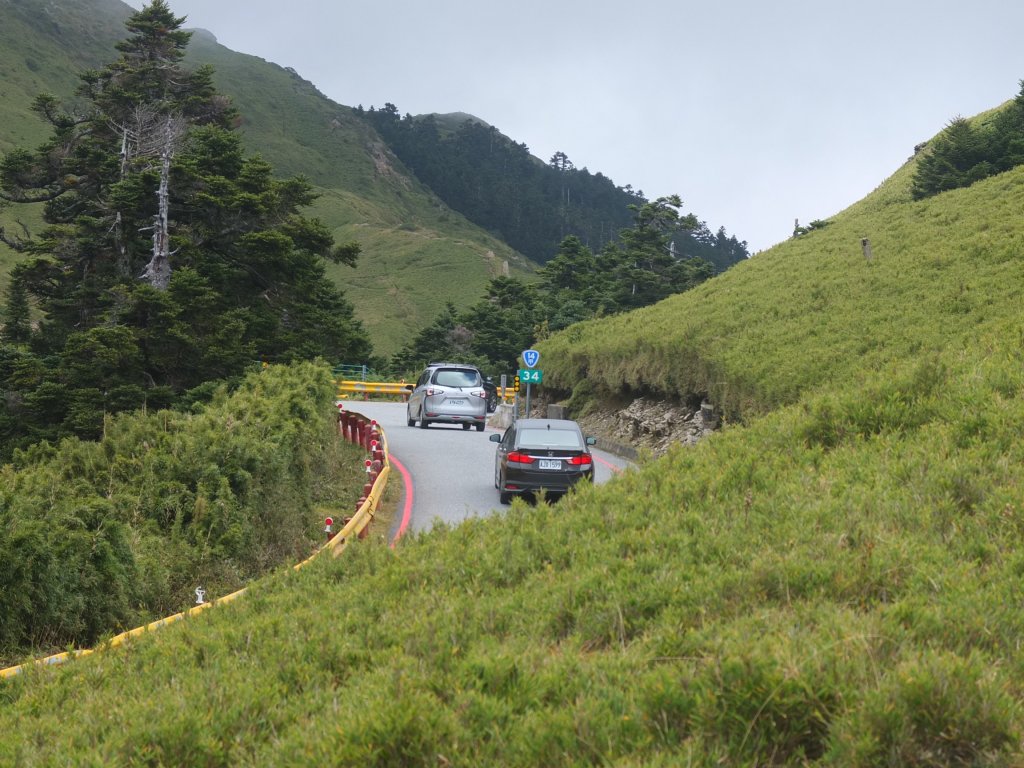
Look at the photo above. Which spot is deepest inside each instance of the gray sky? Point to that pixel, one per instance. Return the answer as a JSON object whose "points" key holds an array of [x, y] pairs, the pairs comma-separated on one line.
{"points": [[754, 112]]}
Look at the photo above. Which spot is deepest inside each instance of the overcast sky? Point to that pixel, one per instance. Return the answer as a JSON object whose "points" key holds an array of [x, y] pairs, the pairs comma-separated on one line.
{"points": [[756, 113]]}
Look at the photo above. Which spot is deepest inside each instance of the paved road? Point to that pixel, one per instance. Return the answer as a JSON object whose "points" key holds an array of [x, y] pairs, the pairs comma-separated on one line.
{"points": [[451, 469]]}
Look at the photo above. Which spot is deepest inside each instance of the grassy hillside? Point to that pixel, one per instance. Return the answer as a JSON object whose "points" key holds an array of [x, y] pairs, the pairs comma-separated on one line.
{"points": [[814, 312], [41, 49], [417, 253], [833, 579]]}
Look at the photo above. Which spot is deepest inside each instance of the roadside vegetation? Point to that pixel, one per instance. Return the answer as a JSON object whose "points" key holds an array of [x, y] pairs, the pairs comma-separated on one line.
{"points": [[101, 536], [836, 582], [834, 578]]}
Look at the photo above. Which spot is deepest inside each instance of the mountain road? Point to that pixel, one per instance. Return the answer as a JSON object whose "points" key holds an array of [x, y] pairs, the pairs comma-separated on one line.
{"points": [[449, 471]]}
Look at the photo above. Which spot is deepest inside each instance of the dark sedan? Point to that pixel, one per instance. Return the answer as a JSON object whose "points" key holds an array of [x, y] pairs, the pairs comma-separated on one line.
{"points": [[536, 454]]}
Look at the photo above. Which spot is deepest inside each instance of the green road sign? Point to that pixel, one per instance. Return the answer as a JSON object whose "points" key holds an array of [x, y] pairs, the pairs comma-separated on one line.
{"points": [[530, 376]]}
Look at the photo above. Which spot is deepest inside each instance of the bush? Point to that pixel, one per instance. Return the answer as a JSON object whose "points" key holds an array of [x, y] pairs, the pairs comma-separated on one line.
{"points": [[932, 710], [760, 711], [99, 536]]}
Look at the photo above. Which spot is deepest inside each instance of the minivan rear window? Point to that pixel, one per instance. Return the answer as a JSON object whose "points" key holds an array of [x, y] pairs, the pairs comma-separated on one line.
{"points": [[457, 377]]}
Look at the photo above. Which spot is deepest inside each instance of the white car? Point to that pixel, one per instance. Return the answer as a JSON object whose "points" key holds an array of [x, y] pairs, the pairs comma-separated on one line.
{"points": [[448, 393]]}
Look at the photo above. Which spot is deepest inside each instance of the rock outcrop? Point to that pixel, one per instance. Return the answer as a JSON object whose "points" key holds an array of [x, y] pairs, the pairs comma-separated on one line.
{"points": [[652, 425]]}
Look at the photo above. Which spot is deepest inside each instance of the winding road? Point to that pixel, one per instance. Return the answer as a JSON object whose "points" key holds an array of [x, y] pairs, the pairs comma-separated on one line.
{"points": [[448, 472]]}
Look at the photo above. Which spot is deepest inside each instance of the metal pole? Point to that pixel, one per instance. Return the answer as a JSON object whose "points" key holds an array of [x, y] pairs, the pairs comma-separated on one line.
{"points": [[528, 385]]}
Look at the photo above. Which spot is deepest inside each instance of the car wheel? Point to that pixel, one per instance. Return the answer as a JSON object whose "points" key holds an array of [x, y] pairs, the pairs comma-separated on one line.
{"points": [[409, 419], [492, 402], [466, 426], [423, 420], [479, 427], [503, 496]]}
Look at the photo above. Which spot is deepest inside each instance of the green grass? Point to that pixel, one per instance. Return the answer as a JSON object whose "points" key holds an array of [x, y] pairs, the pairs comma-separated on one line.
{"points": [[834, 582], [407, 262], [41, 50]]}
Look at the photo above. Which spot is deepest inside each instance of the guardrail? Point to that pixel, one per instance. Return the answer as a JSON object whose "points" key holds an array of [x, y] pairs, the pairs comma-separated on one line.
{"points": [[349, 387], [353, 427]]}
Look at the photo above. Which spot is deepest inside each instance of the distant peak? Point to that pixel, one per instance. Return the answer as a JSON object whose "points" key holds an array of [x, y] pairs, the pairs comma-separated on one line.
{"points": [[204, 34]]}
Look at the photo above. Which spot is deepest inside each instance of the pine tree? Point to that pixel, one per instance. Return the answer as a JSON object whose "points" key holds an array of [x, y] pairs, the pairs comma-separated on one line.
{"points": [[17, 312], [643, 268], [159, 227]]}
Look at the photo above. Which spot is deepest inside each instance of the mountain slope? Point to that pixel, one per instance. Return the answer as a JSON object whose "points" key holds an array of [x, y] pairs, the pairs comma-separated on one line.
{"points": [[42, 46], [814, 311], [413, 245], [833, 579]]}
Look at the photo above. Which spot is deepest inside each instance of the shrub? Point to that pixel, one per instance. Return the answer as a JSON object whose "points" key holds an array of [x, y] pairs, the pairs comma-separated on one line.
{"points": [[934, 709], [758, 710], [98, 536]]}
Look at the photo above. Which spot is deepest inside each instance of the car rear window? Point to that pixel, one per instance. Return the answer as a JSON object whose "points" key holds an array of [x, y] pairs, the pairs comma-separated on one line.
{"points": [[456, 377], [550, 438]]}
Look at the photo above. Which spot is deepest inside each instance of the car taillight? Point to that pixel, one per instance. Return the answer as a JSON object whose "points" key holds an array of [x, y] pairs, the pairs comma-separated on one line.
{"points": [[431, 391], [581, 461], [520, 458], [480, 394]]}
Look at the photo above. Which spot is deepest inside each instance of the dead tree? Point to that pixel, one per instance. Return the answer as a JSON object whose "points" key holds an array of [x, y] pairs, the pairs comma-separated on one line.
{"points": [[151, 137]]}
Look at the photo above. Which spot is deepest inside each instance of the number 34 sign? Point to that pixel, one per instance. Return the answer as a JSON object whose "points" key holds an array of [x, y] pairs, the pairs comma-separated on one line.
{"points": [[530, 376]]}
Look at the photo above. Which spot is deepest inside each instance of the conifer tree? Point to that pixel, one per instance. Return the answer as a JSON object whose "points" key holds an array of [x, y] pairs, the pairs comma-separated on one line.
{"points": [[159, 227], [17, 313], [642, 266]]}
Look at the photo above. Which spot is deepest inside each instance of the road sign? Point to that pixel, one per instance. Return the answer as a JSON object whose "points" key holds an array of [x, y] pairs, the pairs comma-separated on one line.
{"points": [[528, 376], [530, 358]]}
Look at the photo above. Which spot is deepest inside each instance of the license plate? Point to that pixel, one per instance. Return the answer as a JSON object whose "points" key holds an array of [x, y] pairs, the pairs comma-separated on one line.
{"points": [[548, 464], [457, 402]]}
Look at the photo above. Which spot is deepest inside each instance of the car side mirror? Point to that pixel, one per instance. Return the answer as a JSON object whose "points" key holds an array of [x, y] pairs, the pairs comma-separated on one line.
{"points": [[410, 387], [591, 441], [495, 438]]}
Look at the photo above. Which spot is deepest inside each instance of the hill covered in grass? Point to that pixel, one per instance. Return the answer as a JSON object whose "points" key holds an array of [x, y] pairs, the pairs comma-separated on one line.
{"points": [[833, 579], [814, 312]]}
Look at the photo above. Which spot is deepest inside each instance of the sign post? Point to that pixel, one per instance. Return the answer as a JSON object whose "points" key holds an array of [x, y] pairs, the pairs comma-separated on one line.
{"points": [[530, 359]]}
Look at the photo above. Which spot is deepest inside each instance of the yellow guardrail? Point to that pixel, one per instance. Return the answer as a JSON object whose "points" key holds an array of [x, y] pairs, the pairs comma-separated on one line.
{"points": [[348, 387], [354, 527]]}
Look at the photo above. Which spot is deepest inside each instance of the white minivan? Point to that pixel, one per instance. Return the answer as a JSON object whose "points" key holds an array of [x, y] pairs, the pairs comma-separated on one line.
{"points": [[448, 393]]}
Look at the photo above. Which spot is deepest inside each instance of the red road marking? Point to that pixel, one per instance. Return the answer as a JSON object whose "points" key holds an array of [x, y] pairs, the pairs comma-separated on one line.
{"points": [[407, 507], [608, 464]]}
